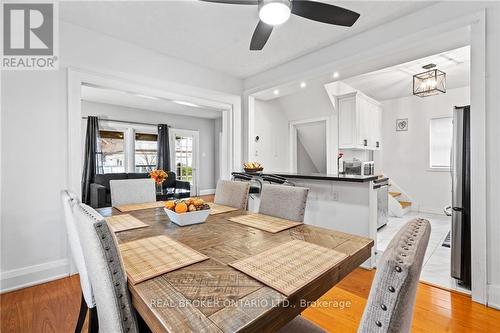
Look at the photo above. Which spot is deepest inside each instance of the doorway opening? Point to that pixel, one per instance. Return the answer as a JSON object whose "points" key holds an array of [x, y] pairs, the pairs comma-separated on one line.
{"points": [[309, 146]]}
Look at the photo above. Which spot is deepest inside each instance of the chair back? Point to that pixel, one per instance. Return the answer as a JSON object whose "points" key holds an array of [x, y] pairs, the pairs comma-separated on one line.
{"points": [[392, 295], [287, 202], [232, 193], [106, 272], [132, 191], [70, 200]]}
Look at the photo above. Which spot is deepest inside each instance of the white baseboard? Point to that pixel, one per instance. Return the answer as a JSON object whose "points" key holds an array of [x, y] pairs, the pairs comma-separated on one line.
{"points": [[494, 296], [33, 275], [207, 192]]}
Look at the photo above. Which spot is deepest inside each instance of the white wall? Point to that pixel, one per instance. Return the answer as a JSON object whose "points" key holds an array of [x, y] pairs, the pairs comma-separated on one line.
{"points": [[272, 119], [34, 140], [309, 102], [206, 127], [271, 125], [405, 157]]}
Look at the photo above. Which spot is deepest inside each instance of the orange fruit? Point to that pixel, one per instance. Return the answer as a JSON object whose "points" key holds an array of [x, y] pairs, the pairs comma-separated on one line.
{"points": [[181, 207], [170, 204]]}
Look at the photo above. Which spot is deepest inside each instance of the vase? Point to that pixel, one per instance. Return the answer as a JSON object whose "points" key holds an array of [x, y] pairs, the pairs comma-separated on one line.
{"points": [[159, 188]]}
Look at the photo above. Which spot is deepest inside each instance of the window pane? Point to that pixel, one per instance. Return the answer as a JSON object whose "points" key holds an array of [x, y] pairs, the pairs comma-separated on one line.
{"points": [[146, 149], [113, 157], [441, 136]]}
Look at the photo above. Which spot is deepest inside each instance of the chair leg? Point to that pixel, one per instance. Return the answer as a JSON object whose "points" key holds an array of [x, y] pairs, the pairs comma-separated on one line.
{"points": [[81, 316], [93, 320]]}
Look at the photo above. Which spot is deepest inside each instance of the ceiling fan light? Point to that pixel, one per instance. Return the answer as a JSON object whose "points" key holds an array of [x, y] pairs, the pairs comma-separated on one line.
{"points": [[275, 12]]}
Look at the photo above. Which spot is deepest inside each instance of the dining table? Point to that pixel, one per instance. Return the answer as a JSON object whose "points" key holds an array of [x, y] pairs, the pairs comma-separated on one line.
{"points": [[212, 296]]}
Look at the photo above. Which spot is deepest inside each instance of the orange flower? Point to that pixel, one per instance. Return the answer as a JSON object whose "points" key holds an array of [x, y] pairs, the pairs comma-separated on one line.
{"points": [[158, 176]]}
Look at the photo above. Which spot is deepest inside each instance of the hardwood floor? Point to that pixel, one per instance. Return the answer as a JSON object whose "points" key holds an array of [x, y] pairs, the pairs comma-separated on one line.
{"points": [[53, 307], [436, 310]]}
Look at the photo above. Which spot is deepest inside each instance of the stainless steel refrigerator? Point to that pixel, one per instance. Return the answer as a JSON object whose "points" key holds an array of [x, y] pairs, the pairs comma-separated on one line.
{"points": [[460, 175]]}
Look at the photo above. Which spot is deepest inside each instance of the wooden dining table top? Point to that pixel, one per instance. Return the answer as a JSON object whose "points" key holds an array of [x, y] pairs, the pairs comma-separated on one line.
{"points": [[211, 296]]}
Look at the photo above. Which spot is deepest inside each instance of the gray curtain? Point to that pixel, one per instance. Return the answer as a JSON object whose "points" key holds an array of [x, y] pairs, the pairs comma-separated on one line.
{"points": [[163, 158], [92, 159]]}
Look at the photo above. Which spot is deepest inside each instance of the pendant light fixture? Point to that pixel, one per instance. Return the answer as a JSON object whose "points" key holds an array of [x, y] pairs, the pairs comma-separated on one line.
{"points": [[430, 82]]}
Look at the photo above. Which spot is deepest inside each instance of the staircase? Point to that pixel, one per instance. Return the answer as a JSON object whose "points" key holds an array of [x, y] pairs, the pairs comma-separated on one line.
{"points": [[399, 202]]}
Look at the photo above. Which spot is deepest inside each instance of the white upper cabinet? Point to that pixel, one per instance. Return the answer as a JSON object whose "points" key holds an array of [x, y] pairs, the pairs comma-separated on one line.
{"points": [[359, 121]]}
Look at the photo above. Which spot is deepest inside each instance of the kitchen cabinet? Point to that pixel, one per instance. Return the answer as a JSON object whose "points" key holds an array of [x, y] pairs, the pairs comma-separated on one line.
{"points": [[360, 121]]}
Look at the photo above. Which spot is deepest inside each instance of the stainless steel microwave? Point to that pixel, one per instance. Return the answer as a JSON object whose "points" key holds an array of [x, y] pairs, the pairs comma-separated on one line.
{"points": [[359, 168]]}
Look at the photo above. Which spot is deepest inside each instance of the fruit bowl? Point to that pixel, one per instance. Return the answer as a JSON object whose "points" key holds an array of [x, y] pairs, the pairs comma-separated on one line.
{"points": [[252, 170], [252, 167], [187, 218], [188, 211]]}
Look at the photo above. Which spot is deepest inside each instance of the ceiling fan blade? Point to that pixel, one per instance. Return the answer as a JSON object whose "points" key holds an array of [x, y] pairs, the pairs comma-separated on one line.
{"points": [[235, 2], [322, 12], [260, 36]]}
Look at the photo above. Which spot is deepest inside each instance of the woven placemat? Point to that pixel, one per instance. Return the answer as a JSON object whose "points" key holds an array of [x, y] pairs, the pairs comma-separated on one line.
{"points": [[147, 205], [290, 266], [149, 257], [219, 209], [124, 222], [265, 222]]}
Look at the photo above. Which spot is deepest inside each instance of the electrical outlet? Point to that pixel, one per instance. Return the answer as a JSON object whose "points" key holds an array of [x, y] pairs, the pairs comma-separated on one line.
{"points": [[335, 196]]}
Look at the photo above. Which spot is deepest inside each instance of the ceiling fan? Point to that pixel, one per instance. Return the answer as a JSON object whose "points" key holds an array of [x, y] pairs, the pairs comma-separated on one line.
{"points": [[276, 12]]}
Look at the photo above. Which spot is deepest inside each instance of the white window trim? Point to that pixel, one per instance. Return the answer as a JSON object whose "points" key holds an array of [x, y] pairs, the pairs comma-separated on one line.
{"points": [[129, 130], [196, 156]]}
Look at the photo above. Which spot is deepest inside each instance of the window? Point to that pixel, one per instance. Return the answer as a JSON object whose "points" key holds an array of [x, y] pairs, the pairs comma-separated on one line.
{"points": [[145, 152], [112, 150], [441, 137]]}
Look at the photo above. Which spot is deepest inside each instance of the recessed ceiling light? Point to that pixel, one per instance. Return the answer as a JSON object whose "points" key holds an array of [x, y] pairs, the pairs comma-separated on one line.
{"points": [[335, 75], [274, 12], [186, 103], [303, 84], [276, 91]]}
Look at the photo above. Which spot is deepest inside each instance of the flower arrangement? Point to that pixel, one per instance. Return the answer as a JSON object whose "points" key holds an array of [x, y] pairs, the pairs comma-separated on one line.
{"points": [[159, 176]]}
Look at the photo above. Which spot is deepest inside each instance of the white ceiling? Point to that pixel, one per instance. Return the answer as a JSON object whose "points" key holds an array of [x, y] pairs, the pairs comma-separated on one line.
{"points": [[397, 81], [391, 82], [143, 102], [217, 36]]}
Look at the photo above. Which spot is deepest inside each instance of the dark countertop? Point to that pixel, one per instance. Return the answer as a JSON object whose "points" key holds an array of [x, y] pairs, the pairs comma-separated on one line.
{"points": [[324, 176]]}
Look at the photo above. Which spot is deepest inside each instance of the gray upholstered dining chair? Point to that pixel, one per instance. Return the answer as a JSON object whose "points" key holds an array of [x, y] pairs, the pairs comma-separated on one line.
{"points": [[287, 202], [232, 193], [392, 295], [132, 191], [106, 272], [87, 304]]}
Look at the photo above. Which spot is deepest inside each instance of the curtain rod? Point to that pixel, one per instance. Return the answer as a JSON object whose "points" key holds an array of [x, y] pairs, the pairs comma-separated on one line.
{"points": [[125, 122]]}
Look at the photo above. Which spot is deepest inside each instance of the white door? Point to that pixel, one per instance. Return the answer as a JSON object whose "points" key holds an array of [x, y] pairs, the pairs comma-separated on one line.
{"points": [[184, 150]]}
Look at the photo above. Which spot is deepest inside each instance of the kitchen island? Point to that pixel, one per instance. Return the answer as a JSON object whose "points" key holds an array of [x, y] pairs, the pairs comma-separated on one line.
{"points": [[346, 203]]}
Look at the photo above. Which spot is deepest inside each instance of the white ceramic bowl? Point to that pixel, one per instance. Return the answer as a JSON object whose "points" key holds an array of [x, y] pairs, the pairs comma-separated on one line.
{"points": [[188, 218]]}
